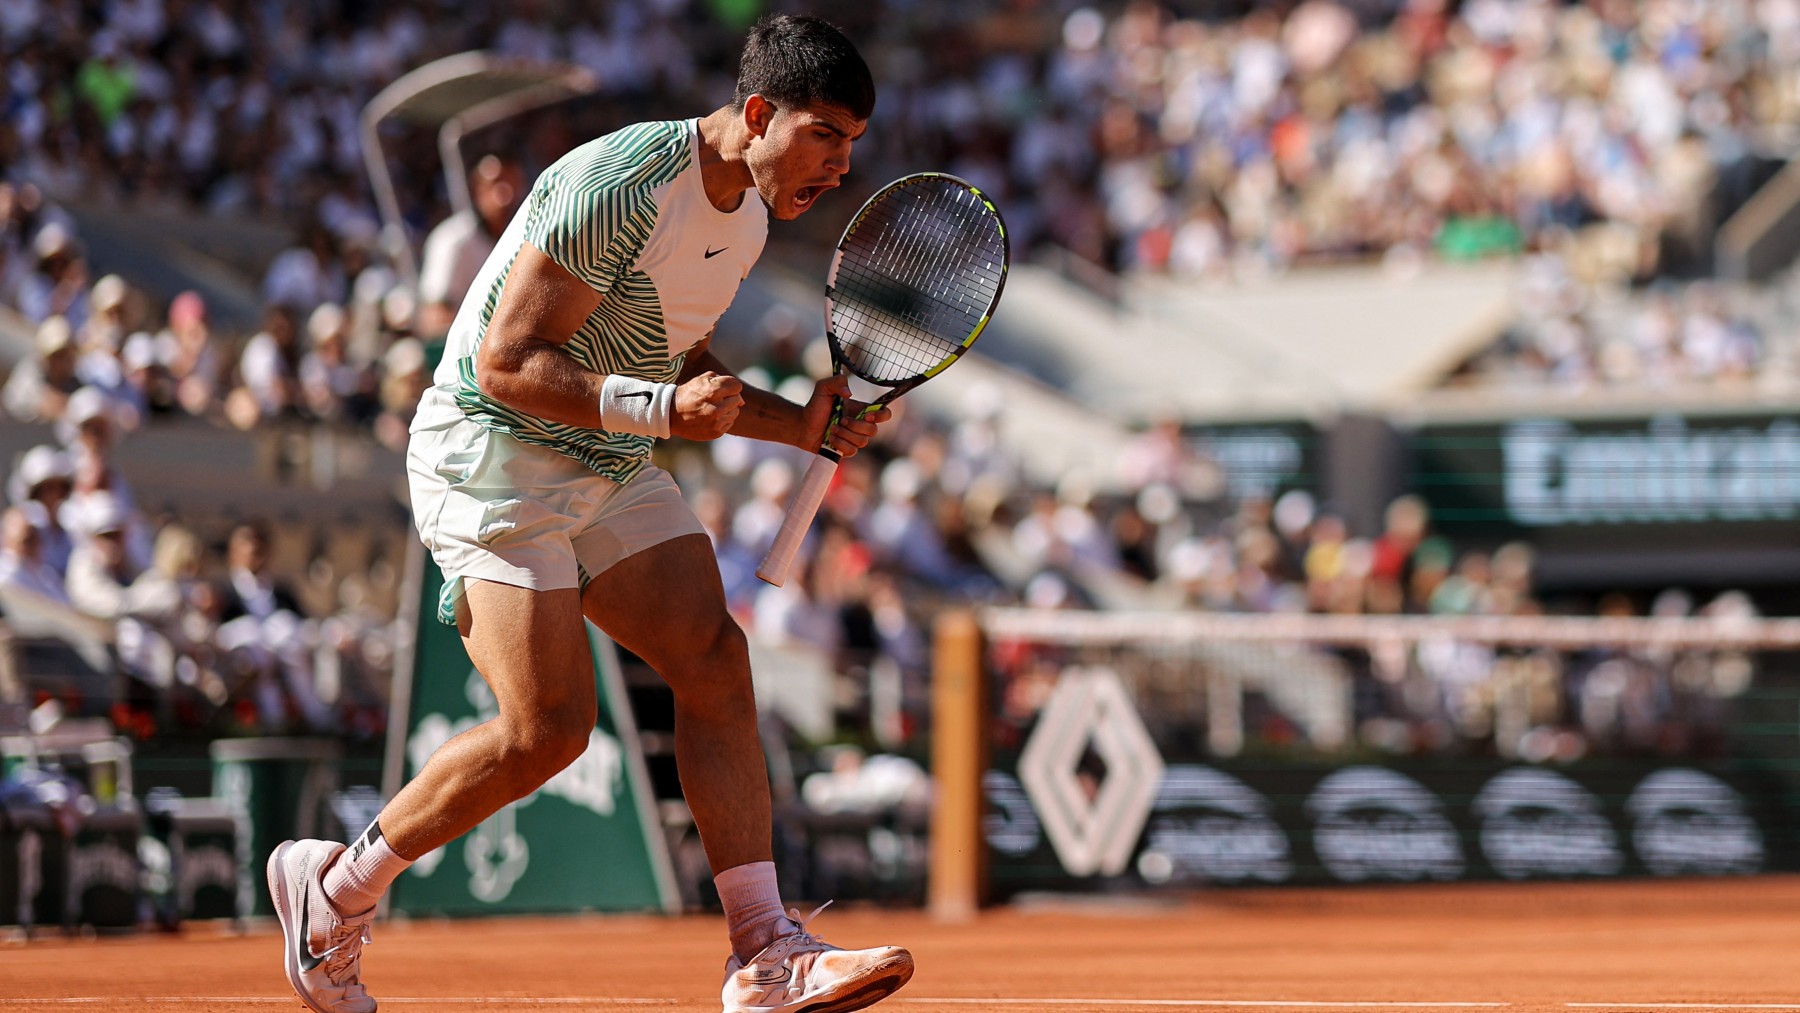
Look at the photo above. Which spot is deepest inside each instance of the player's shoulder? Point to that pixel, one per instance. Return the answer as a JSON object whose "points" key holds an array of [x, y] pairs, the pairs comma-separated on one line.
{"points": [[638, 158]]}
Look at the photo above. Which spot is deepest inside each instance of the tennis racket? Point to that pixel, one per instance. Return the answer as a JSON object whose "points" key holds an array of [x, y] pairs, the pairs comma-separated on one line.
{"points": [[912, 284]]}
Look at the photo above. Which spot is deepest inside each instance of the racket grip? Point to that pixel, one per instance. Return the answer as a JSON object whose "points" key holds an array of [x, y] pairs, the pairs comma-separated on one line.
{"points": [[801, 509]]}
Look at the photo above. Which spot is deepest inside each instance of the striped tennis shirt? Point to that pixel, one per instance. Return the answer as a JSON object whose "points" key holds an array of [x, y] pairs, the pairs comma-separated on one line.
{"points": [[627, 213]]}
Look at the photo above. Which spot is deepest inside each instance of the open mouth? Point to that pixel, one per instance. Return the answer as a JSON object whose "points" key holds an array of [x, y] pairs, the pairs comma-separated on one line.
{"points": [[804, 197]]}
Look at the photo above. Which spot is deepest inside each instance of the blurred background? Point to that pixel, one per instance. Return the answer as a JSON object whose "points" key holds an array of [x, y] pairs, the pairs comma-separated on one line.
{"points": [[1393, 401]]}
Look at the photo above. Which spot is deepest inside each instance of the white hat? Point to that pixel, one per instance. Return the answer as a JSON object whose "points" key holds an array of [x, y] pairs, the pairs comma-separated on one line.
{"points": [[52, 239], [326, 320], [88, 404], [38, 465], [97, 513], [85, 405], [54, 335], [139, 351], [404, 356], [109, 293], [397, 309]]}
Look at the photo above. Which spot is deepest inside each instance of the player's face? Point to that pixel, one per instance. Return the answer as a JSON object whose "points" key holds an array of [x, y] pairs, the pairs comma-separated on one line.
{"points": [[800, 153]]}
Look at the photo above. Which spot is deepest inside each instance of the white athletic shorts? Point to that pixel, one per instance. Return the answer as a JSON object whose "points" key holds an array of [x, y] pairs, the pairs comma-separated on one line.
{"points": [[490, 507]]}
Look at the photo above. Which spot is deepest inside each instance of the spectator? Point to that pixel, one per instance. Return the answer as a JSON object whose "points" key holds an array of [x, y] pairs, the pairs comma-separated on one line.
{"points": [[269, 369], [331, 387], [22, 563], [39, 389], [43, 482], [403, 381], [901, 531], [306, 274], [90, 430], [460, 244], [264, 630], [102, 579], [175, 653], [58, 287], [187, 353]]}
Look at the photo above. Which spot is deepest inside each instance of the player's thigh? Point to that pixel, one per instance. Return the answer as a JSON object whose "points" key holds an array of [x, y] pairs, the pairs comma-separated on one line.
{"points": [[532, 648], [666, 605]]}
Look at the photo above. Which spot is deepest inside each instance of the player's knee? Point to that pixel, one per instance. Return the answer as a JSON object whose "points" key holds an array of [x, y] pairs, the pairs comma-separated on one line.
{"points": [[543, 744], [716, 674]]}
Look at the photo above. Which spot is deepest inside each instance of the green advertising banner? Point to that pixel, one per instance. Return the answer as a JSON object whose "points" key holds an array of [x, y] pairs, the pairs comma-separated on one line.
{"points": [[1661, 472], [588, 840], [1706, 501]]}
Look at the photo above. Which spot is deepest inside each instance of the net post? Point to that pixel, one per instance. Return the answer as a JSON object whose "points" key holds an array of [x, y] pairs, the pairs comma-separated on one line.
{"points": [[958, 758]]}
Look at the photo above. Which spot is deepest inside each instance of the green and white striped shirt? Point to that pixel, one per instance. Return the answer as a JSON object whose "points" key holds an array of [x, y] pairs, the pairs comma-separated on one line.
{"points": [[628, 214]]}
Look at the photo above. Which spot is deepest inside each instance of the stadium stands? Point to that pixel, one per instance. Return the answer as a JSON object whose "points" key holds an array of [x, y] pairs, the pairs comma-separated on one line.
{"points": [[1194, 166]]}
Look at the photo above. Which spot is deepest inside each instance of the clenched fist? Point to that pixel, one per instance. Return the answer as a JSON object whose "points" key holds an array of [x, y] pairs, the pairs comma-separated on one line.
{"points": [[706, 407]]}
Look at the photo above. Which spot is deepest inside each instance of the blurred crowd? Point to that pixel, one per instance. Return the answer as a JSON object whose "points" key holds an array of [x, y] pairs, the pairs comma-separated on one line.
{"points": [[1599, 137], [1589, 138], [207, 639], [313, 359], [1131, 135], [1328, 128], [1570, 337]]}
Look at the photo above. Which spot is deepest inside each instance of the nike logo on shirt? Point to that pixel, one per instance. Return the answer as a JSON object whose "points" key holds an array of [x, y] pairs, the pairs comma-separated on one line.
{"points": [[711, 253]]}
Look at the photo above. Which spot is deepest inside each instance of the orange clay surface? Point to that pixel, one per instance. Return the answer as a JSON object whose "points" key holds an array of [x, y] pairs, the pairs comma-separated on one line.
{"points": [[1613, 946]]}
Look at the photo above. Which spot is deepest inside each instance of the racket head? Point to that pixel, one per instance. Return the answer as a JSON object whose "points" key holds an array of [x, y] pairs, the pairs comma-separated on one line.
{"points": [[915, 279]]}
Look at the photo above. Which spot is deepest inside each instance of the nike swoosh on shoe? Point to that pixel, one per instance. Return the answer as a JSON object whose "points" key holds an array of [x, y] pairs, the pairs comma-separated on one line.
{"points": [[307, 960]]}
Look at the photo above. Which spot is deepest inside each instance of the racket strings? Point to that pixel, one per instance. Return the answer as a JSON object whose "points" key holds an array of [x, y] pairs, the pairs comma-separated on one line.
{"points": [[917, 276]]}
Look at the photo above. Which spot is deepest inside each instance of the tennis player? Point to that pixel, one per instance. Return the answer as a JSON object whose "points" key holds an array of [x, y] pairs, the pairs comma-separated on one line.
{"points": [[583, 340]]}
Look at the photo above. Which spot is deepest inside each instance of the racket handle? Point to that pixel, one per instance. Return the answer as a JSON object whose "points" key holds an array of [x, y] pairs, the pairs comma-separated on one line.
{"points": [[801, 509]]}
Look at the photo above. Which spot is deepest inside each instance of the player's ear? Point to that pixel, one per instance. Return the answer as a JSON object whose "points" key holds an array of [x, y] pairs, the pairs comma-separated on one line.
{"points": [[759, 113]]}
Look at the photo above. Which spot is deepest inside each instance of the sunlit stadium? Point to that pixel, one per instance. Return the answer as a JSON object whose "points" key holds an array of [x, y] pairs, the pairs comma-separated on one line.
{"points": [[1330, 540]]}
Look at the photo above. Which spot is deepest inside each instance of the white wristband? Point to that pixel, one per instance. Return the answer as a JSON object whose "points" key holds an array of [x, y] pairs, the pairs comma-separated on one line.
{"points": [[641, 407]]}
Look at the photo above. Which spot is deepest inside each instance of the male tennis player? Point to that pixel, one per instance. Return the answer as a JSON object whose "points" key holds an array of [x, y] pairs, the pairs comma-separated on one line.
{"points": [[584, 339]]}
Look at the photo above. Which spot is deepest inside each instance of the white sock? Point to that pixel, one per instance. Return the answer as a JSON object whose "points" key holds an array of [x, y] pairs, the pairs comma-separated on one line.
{"points": [[752, 908], [361, 874]]}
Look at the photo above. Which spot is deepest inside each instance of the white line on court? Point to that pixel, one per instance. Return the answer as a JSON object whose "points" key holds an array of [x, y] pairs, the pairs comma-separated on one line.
{"points": [[288, 1000], [1278, 1003], [596, 1000]]}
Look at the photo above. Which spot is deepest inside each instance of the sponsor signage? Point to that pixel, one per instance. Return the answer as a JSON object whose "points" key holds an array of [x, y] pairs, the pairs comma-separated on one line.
{"points": [[1658, 471], [1209, 826], [1371, 823], [1092, 821], [1089, 798], [1537, 823], [1259, 461], [1242, 824]]}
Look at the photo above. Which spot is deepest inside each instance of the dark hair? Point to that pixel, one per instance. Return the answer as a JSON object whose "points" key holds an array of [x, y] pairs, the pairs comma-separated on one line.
{"points": [[792, 61]]}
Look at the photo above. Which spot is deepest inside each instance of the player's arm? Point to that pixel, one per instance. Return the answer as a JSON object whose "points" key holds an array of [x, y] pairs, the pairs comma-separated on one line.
{"points": [[768, 416], [522, 364]]}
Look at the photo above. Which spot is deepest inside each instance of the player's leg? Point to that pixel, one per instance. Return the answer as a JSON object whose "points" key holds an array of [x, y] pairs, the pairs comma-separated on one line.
{"points": [[532, 649], [666, 605]]}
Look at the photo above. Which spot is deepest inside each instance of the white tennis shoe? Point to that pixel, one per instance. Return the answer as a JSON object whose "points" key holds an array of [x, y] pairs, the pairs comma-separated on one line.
{"points": [[324, 949], [801, 973]]}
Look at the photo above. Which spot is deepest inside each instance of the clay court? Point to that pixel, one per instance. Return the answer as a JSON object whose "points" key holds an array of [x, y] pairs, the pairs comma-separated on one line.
{"points": [[1611, 946]]}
